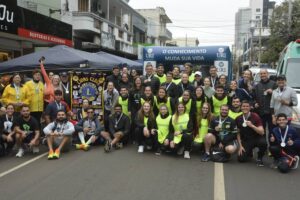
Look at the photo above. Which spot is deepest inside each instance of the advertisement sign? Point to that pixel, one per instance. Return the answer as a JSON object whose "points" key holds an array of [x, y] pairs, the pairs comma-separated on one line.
{"points": [[87, 86], [8, 16], [222, 67]]}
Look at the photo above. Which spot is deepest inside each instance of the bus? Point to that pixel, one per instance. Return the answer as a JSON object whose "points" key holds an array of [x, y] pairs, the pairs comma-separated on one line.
{"points": [[203, 56], [289, 65]]}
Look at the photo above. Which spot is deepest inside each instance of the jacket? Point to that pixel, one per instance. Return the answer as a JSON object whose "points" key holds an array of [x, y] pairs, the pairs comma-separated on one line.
{"points": [[36, 92], [9, 95]]}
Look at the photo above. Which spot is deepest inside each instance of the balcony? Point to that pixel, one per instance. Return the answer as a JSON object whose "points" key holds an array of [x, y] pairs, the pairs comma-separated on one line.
{"points": [[165, 34]]}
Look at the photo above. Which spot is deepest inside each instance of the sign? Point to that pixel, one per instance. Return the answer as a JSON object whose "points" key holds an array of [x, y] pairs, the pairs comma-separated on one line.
{"points": [[222, 67], [87, 86], [8, 15]]}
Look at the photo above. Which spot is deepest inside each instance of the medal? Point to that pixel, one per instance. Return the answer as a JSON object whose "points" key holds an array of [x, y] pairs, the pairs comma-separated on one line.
{"points": [[244, 124], [282, 144], [67, 91], [116, 123], [245, 119]]}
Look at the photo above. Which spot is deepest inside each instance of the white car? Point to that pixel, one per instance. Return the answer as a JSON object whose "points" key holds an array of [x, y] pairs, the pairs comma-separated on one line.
{"points": [[255, 73]]}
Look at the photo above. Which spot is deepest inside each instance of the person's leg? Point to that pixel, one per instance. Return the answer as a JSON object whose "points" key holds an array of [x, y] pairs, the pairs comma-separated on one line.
{"points": [[248, 146], [81, 137], [106, 135], [19, 142], [229, 150], [139, 136], [63, 142], [117, 138], [209, 140], [261, 143], [187, 141]]}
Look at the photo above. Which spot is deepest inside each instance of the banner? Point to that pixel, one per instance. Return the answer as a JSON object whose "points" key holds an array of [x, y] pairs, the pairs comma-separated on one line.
{"points": [[89, 86]]}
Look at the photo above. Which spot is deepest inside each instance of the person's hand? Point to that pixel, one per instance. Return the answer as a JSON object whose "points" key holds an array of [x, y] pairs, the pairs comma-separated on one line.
{"points": [[272, 138], [221, 146], [241, 150], [256, 105], [166, 142], [32, 143], [146, 132], [284, 102], [249, 124], [290, 142], [218, 128], [153, 131], [86, 130], [269, 91], [172, 144], [9, 138], [274, 120]]}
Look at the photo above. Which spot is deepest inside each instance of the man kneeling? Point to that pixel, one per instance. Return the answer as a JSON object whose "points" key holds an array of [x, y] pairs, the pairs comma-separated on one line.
{"points": [[119, 126], [59, 135]]}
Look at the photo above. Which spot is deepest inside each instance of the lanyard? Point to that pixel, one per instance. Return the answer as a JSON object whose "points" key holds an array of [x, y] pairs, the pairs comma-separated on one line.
{"points": [[36, 87], [221, 122], [12, 118], [66, 88], [182, 87], [213, 81], [58, 105], [245, 119], [168, 86], [284, 137], [17, 88], [117, 122]]}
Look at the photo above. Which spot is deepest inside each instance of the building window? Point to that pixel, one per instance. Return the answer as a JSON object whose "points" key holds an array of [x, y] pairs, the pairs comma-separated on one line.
{"points": [[129, 38], [120, 34], [257, 17], [83, 5], [257, 9]]}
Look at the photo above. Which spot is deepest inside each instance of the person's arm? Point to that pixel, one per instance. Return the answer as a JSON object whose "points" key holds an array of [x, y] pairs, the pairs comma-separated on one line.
{"points": [[127, 125], [79, 126], [47, 114], [45, 75], [294, 99], [173, 105], [98, 127], [189, 129], [171, 130], [48, 129], [69, 129], [111, 126], [138, 123], [257, 126]]}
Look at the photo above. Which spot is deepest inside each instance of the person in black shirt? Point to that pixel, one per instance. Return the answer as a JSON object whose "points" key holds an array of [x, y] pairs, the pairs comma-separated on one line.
{"points": [[119, 126], [6, 128], [214, 79], [184, 85], [135, 96], [27, 131], [66, 87], [222, 133], [171, 87], [150, 80], [125, 82], [115, 78]]}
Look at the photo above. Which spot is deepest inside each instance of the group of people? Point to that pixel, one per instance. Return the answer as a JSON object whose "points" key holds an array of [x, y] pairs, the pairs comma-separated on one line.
{"points": [[176, 112]]}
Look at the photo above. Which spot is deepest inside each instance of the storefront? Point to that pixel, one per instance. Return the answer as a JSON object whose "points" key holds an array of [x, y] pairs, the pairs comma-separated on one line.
{"points": [[22, 31]]}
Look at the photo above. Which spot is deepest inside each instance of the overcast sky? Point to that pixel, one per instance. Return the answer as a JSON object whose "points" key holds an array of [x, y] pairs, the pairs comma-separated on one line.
{"points": [[211, 21]]}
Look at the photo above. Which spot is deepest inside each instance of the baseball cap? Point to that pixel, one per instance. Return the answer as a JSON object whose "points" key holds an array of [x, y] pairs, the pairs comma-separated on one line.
{"points": [[198, 73]]}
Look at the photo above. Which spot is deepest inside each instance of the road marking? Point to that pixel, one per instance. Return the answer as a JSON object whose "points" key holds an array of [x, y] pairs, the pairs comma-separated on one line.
{"points": [[219, 186], [22, 165]]}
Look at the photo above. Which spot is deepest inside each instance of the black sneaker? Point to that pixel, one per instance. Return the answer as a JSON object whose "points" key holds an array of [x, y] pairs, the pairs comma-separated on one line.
{"points": [[259, 162], [205, 157], [158, 152], [107, 146]]}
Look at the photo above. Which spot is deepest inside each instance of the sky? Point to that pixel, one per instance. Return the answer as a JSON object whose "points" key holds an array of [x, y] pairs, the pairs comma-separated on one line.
{"points": [[211, 21]]}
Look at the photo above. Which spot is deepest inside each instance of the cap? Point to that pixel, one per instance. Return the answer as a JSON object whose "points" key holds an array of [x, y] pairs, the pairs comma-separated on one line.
{"points": [[64, 74], [281, 77], [198, 73]]}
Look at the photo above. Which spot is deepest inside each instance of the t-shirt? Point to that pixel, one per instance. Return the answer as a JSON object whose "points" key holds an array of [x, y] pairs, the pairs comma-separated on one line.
{"points": [[53, 107], [228, 129], [6, 124], [247, 132], [29, 126]]}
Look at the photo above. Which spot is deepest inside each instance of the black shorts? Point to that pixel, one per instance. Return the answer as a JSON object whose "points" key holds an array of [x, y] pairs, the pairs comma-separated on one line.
{"points": [[28, 138]]}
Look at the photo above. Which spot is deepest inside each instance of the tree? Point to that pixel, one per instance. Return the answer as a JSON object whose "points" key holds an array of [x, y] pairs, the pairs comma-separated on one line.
{"points": [[280, 35]]}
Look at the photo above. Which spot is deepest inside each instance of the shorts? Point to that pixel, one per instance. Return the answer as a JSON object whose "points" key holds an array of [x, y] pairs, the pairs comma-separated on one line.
{"points": [[66, 147], [233, 143], [28, 138]]}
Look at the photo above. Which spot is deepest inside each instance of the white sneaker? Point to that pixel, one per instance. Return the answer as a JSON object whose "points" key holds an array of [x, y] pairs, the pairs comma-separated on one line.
{"points": [[141, 149], [35, 150], [296, 162], [20, 153], [187, 155]]}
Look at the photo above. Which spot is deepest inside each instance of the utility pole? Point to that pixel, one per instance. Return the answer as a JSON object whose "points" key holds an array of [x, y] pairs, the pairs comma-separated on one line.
{"points": [[290, 16], [259, 42]]}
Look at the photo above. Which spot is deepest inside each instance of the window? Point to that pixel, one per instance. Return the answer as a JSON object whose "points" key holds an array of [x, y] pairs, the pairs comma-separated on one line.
{"points": [[83, 5], [129, 38], [257, 17], [120, 34], [257, 9]]}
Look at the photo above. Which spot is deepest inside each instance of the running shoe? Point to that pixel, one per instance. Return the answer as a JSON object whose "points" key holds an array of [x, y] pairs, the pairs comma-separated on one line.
{"points": [[295, 163], [79, 146], [259, 162], [187, 155], [56, 154], [158, 152], [205, 157], [86, 147], [35, 150], [20, 153], [119, 145], [50, 155], [107, 146], [274, 165], [141, 149]]}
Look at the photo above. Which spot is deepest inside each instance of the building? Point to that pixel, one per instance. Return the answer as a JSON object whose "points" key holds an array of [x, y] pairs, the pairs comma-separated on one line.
{"points": [[250, 36], [23, 31], [184, 42], [157, 20], [101, 25]]}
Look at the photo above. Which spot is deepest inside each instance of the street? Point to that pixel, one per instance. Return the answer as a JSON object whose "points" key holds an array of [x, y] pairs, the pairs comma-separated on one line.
{"points": [[125, 174]]}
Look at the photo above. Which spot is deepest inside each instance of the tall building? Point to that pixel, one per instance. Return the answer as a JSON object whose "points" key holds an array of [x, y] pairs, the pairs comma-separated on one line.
{"points": [[242, 28]]}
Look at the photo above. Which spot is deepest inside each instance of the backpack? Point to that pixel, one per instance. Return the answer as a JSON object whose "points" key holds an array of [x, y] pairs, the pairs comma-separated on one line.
{"points": [[219, 156]]}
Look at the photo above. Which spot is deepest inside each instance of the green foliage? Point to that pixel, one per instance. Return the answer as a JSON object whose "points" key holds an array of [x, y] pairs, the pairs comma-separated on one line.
{"points": [[280, 35]]}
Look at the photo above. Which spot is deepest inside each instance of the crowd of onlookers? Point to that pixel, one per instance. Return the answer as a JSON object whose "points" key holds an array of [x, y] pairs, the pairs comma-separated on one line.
{"points": [[177, 112]]}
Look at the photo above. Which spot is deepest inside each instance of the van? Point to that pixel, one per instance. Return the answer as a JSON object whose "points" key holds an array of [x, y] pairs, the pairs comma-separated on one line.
{"points": [[289, 65]]}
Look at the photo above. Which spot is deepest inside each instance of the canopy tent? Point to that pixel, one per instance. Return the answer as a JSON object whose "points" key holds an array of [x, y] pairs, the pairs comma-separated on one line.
{"points": [[120, 60], [59, 58]]}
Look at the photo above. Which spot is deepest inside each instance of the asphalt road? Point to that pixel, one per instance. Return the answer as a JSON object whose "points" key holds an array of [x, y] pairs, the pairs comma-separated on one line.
{"points": [[125, 174]]}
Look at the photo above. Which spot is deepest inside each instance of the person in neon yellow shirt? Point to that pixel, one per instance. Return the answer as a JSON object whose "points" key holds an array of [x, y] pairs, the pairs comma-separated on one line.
{"points": [[160, 73], [189, 103], [176, 74], [181, 132], [219, 99], [163, 99], [189, 70], [200, 98], [203, 122], [235, 109], [162, 129]]}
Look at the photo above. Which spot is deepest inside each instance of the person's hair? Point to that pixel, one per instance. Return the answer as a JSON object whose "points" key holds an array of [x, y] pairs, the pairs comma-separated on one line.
{"points": [[169, 73], [90, 108], [163, 105], [115, 67], [149, 64], [118, 106], [251, 75], [224, 76], [58, 92], [212, 66], [281, 115], [225, 105], [187, 91], [236, 97], [160, 65], [25, 106], [124, 75], [123, 87], [185, 74], [245, 102], [208, 116], [166, 96], [10, 104], [206, 78], [189, 65], [202, 98], [141, 113], [219, 87], [176, 115], [175, 66], [86, 100], [14, 75], [148, 87], [35, 71], [59, 111], [134, 84]]}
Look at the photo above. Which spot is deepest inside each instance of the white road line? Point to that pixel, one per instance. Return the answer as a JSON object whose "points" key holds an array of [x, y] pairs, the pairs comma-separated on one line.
{"points": [[219, 185], [22, 165]]}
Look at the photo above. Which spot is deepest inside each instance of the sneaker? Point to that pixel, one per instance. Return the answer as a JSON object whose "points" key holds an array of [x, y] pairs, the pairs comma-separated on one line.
{"points": [[107, 146], [119, 145], [158, 152], [141, 149], [20, 153], [79, 146], [35, 150], [259, 162], [180, 151], [86, 147], [187, 155], [148, 147], [295, 163], [56, 154], [50, 155], [274, 165], [205, 157]]}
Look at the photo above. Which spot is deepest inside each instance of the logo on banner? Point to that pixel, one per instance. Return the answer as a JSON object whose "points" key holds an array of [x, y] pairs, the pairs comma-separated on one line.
{"points": [[149, 53], [6, 17], [88, 91], [221, 53], [221, 64]]}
